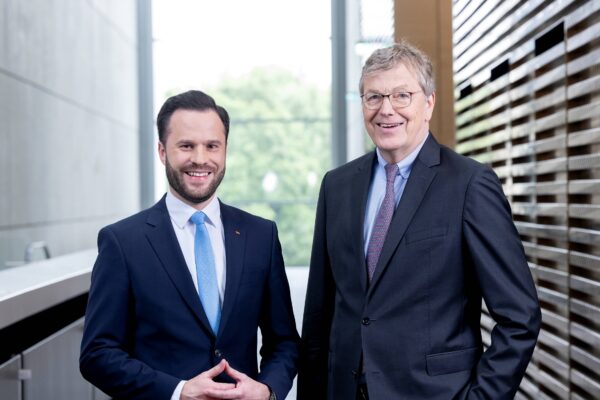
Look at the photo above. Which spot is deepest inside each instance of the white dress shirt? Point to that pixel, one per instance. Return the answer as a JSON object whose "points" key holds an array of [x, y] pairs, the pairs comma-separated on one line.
{"points": [[185, 230]]}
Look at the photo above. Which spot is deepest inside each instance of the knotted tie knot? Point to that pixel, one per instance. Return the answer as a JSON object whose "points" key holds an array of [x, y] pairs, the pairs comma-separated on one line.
{"points": [[198, 218], [391, 170]]}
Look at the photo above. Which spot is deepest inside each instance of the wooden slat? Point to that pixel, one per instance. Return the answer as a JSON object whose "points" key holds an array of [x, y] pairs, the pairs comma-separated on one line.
{"points": [[538, 125], [589, 384]]}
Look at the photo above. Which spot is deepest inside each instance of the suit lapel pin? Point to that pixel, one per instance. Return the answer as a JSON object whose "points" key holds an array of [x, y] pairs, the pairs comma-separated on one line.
{"points": [[237, 232]]}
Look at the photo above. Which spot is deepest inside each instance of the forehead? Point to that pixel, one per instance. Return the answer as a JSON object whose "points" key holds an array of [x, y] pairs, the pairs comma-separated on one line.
{"points": [[398, 77], [193, 124]]}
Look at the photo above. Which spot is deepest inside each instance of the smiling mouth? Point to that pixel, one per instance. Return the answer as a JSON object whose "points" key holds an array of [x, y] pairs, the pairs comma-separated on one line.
{"points": [[198, 174], [382, 125]]}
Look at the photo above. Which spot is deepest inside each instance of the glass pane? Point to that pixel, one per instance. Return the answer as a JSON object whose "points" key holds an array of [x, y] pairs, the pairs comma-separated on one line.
{"points": [[273, 77], [274, 168]]}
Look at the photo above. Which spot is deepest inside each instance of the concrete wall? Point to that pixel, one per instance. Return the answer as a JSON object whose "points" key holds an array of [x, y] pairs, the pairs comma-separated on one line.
{"points": [[68, 121]]}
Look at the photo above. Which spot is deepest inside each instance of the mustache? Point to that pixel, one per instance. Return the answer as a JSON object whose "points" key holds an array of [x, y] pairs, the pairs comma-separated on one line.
{"points": [[203, 166]]}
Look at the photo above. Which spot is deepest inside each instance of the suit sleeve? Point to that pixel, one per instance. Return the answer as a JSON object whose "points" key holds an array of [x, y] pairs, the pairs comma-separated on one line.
{"points": [[318, 312], [280, 341], [108, 340], [507, 287]]}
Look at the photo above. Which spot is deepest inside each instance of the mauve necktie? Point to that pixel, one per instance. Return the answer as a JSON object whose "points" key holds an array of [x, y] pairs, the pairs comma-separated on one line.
{"points": [[205, 271], [383, 219]]}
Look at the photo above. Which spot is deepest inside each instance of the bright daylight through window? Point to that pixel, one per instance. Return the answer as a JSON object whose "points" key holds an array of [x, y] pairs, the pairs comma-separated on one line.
{"points": [[273, 77]]}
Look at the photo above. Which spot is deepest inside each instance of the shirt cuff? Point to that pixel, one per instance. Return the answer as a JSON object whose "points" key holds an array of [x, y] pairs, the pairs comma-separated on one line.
{"points": [[177, 392]]}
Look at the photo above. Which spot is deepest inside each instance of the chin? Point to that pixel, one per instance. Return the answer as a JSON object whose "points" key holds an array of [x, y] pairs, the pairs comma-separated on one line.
{"points": [[392, 145]]}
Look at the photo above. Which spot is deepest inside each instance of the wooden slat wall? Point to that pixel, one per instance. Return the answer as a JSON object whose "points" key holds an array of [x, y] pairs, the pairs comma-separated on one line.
{"points": [[527, 102]]}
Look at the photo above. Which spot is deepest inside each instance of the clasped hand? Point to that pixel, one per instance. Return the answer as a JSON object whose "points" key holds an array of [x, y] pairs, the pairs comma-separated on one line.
{"points": [[203, 387]]}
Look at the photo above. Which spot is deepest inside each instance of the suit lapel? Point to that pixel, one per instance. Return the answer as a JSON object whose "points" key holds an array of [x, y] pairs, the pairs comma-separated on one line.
{"points": [[164, 242], [419, 181], [358, 205], [235, 238]]}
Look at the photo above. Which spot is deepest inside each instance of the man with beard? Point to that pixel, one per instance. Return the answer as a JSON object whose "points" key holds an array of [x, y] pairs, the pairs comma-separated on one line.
{"points": [[179, 290]]}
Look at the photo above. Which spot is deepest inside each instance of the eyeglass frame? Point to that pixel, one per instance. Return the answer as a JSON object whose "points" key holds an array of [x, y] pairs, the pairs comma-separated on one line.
{"points": [[383, 96]]}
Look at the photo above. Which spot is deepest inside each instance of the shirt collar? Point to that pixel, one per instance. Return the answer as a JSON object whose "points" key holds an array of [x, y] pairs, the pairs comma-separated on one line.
{"points": [[181, 212], [404, 165]]}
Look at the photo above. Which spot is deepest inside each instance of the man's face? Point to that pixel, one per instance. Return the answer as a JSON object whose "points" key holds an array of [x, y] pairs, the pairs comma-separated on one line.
{"points": [[397, 132], [194, 155]]}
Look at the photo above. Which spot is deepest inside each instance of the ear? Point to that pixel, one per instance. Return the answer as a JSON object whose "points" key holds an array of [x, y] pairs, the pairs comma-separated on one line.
{"points": [[162, 152], [429, 107]]}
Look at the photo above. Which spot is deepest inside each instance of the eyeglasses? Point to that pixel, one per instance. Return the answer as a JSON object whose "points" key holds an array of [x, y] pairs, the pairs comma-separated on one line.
{"points": [[373, 100]]}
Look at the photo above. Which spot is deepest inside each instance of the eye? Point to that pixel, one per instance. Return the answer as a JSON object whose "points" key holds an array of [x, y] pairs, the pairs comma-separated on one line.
{"points": [[373, 97], [402, 96], [185, 146]]}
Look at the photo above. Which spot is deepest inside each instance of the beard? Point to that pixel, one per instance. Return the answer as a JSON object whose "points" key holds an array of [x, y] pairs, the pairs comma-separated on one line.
{"points": [[175, 179]]}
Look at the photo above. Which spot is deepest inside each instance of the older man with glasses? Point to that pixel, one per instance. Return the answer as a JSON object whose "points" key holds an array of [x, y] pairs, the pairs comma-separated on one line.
{"points": [[409, 239]]}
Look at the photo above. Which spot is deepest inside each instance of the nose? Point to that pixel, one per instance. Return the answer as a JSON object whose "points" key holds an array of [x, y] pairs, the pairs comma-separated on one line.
{"points": [[199, 155], [386, 107]]}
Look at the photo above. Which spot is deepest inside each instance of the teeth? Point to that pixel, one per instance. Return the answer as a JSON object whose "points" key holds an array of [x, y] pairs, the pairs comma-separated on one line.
{"points": [[389, 125], [197, 173]]}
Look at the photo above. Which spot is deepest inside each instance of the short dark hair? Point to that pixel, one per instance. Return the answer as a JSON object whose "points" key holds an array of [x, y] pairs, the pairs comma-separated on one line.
{"points": [[190, 100]]}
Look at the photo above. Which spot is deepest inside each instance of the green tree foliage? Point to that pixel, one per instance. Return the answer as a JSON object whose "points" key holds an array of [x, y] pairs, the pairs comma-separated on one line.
{"points": [[278, 151]]}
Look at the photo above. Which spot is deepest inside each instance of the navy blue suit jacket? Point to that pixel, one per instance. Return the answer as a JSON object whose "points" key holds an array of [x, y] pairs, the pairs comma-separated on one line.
{"points": [[145, 328], [451, 243]]}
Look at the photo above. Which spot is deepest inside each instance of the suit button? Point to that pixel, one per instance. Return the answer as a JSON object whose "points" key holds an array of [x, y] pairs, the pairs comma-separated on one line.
{"points": [[218, 353], [366, 321]]}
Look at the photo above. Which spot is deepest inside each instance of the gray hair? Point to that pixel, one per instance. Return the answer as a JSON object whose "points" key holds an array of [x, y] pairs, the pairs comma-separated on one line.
{"points": [[401, 53]]}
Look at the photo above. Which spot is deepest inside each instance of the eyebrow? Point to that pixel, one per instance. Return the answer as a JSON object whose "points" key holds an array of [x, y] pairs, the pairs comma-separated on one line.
{"points": [[190, 141], [395, 89]]}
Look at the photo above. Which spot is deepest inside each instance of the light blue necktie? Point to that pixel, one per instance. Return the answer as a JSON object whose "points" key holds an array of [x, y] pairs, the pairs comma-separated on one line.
{"points": [[205, 271]]}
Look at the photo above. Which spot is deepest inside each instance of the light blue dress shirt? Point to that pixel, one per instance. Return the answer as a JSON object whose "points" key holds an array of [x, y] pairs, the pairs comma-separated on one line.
{"points": [[377, 188]]}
